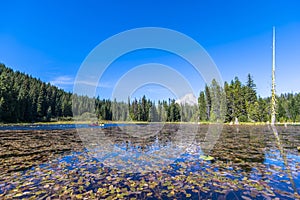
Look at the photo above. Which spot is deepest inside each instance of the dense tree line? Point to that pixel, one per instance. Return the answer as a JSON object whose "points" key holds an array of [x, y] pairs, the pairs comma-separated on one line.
{"points": [[142, 109], [243, 103], [288, 107], [27, 99], [215, 103], [235, 101]]}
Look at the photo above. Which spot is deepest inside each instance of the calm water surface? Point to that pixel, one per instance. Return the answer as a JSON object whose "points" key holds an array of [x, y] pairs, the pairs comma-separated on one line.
{"points": [[167, 162]]}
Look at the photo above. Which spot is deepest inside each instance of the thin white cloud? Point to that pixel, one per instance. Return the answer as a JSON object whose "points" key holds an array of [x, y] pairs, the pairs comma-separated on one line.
{"points": [[66, 80], [69, 80], [101, 84], [63, 80]]}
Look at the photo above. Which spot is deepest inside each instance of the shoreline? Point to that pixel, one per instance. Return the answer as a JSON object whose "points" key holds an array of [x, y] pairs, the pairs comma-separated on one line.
{"points": [[141, 122]]}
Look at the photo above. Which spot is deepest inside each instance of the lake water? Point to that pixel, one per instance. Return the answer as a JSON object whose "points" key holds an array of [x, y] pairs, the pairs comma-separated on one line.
{"points": [[164, 162], [53, 126]]}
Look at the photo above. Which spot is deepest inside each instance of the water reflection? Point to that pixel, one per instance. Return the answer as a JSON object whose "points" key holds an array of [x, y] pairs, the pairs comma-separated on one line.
{"points": [[243, 145], [139, 148], [248, 164]]}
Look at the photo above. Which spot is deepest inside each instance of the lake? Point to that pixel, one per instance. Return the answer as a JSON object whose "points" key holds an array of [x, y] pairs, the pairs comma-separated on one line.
{"points": [[151, 161]]}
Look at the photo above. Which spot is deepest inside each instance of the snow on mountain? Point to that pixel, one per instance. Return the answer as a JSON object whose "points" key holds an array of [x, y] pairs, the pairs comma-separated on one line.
{"points": [[188, 99]]}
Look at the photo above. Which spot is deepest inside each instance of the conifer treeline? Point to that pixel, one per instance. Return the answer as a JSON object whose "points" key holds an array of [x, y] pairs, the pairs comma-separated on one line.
{"points": [[27, 99], [142, 109]]}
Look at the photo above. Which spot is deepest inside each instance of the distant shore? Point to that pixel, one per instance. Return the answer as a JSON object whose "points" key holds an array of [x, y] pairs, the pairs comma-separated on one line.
{"points": [[142, 122]]}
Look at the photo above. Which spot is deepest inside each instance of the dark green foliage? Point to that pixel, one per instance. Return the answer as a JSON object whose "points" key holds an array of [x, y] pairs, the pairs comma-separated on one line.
{"points": [[281, 109], [27, 99], [241, 102], [293, 107], [250, 90], [229, 102], [190, 113], [153, 114], [41, 102], [145, 110], [250, 98], [208, 102], [202, 106], [173, 111], [218, 99], [264, 109], [160, 112]]}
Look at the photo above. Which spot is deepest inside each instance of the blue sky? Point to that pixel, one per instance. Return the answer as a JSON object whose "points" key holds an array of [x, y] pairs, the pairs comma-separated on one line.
{"points": [[50, 39]]}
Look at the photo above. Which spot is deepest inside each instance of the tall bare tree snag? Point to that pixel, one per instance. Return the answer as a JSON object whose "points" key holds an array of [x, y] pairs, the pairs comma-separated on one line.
{"points": [[273, 101]]}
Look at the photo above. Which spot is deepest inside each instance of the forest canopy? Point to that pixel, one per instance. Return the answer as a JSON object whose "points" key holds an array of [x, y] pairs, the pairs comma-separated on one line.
{"points": [[24, 98]]}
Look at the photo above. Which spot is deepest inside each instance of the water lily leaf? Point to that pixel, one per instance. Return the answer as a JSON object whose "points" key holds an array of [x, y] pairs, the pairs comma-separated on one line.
{"points": [[172, 193], [149, 194], [207, 158], [87, 183], [18, 195]]}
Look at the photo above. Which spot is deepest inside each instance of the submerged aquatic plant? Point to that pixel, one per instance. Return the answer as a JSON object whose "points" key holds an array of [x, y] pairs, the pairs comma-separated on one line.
{"points": [[246, 164]]}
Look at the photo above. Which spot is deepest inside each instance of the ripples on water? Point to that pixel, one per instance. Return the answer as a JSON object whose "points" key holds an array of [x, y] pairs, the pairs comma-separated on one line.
{"points": [[152, 162]]}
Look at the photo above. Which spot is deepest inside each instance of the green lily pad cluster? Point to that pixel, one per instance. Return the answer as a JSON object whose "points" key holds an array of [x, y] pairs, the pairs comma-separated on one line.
{"points": [[243, 165]]}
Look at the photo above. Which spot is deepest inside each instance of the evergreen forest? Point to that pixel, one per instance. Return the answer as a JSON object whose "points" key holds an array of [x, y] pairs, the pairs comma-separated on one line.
{"points": [[24, 98]]}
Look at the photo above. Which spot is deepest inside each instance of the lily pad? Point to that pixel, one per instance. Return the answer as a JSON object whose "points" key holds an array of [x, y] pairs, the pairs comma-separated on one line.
{"points": [[206, 157]]}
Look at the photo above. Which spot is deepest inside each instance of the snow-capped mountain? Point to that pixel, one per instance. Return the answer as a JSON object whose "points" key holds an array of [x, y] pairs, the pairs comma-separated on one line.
{"points": [[188, 99]]}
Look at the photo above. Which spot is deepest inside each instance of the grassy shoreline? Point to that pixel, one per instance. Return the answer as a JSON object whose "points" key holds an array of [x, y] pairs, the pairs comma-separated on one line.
{"points": [[141, 122]]}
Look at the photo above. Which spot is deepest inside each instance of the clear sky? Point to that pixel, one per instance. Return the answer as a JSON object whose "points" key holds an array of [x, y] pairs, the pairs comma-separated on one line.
{"points": [[50, 39]]}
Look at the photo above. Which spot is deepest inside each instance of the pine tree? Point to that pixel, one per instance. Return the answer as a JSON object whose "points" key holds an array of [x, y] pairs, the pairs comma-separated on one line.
{"points": [[153, 114], [202, 107], [281, 111], [293, 108], [250, 97], [160, 111], [229, 117], [208, 102], [239, 103], [218, 106], [263, 110], [41, 102]]}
